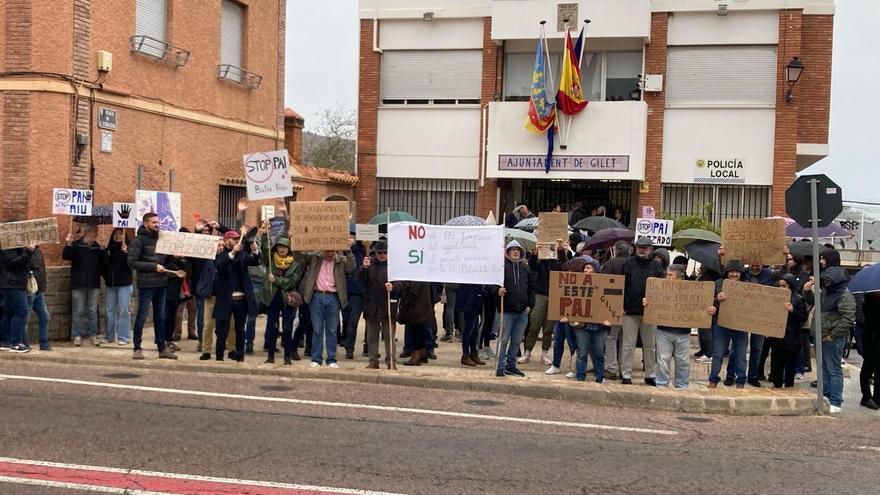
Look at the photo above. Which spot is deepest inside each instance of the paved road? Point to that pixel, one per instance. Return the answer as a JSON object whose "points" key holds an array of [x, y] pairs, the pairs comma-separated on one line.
{"points": [[314, 437]]}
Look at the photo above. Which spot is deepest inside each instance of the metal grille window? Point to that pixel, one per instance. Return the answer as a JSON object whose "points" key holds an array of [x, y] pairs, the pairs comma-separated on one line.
{"points": [[431, 76], [721, 75], [721, 202], [542, 195], [150, 21], [231, 36], [432, 201], [229, 196]]}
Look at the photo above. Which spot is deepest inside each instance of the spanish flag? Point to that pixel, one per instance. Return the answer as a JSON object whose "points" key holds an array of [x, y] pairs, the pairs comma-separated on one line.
{"points": [[542, 113], [570, 97]]}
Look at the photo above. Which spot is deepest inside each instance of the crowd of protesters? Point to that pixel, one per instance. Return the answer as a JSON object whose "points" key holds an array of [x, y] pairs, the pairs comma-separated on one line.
{"points": [[314, 301]]}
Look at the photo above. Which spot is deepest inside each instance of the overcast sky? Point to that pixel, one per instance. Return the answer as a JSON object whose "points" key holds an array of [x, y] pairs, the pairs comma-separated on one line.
{"points": [[322, 61]]}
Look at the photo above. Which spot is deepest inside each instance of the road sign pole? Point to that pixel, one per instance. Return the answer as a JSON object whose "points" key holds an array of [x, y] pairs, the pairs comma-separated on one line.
{"points": [[817, 294]]}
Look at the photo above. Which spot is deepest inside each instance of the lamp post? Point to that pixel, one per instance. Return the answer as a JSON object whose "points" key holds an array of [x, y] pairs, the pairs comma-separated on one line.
{"points": [[792, 74]]}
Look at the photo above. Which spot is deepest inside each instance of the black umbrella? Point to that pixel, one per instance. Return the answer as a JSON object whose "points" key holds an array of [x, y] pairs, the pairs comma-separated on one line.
{"points": [[606, 238], [802, 249], [706, 253], [101, 215], [597, 223]]}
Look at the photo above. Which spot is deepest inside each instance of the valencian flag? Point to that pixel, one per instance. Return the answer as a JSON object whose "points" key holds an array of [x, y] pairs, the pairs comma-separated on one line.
{"points": [[542, 112], [570, 96]]}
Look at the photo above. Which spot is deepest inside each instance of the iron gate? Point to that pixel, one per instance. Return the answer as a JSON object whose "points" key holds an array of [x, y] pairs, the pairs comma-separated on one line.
{"points": [[431, 201]]}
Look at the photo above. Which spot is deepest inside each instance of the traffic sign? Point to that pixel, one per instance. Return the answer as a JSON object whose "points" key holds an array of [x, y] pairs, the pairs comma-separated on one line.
{"points": [[829, 200]]}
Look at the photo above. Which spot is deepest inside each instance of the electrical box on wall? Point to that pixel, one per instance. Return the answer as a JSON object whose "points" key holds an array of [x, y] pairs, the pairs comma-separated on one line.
{"points": [[105, 61], [653, 82]]}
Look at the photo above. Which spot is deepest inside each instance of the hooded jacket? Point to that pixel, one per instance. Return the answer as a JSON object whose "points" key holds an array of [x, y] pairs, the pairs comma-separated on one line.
{"points": [[15, 264], [518, 283], [117, 273], [838, 303], [353, 283], [764, 277], [663, 253], [637, 272], [285, 280], [796, 318], [142, 258], [87, 262], [376, 297], [469, 298], [614, 266], [832, 258], [542, 268], [38, 266]]}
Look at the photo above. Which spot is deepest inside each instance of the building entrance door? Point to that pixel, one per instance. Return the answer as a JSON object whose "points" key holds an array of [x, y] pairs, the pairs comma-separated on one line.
{"points": [[543, 195]]}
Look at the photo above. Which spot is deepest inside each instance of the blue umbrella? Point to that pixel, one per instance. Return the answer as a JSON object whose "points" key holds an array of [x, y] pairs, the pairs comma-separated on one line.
{"points": [[465, 221], [867, 280]]}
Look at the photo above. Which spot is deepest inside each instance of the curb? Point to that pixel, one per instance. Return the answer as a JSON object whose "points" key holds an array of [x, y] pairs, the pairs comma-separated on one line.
{"points": [[732, 403]]}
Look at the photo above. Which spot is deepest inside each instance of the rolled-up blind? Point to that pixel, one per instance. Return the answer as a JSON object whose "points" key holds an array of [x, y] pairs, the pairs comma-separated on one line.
{"points": [[231, 27], [150, 21], [718, 75], [431, 74]]}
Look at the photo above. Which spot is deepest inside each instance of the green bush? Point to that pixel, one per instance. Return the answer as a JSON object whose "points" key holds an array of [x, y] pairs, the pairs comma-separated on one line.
{"points": [[694, 221]]}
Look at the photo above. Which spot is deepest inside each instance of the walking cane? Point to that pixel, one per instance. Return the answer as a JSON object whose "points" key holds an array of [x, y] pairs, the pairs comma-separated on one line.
{"points": [[500, 333], [390, 344]]}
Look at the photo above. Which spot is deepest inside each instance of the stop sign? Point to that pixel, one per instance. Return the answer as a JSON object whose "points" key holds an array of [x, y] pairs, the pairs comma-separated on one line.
{"points": [[829, 200]]}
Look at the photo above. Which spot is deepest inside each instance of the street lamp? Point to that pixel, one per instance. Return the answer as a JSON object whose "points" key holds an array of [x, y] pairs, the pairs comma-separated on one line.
{"points": [[792, 74]]}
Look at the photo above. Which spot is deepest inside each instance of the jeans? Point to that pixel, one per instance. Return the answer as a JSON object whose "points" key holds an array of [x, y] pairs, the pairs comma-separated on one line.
{"points": [[832, 373], [324, 309], [449, 314], [251, 329], [633, 326], [669, 345], [82, 299], [756, 345], [612, 350], [156, 297], [240, 313], [591, 342], [277, 307], [118, 326], [426, 338], [539, 324], [351, 316], [562, 333], [15, 313], [469, 334], [721, 339], [37, 304], [512, 334]]}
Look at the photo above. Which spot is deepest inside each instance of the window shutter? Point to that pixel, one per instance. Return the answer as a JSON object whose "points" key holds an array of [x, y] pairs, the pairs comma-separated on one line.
{"points": [[231, 34], [431, 74], [150, 21], [719, 75]]}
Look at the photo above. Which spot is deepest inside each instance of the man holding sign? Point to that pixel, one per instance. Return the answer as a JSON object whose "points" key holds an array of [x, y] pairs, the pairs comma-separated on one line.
{"points": [[517, 299], [637, 271]]}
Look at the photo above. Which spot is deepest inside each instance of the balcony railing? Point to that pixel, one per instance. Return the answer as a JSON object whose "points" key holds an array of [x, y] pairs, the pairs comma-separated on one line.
{"points": [[159, 50], [239, 76]]}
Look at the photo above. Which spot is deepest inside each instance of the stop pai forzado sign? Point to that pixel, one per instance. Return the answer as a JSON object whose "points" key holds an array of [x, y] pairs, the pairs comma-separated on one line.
{"points": [[268, 175], [719, 171]]}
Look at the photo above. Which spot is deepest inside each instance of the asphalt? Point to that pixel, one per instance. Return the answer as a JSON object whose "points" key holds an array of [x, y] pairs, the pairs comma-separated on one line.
{"points": [[322, 438]]}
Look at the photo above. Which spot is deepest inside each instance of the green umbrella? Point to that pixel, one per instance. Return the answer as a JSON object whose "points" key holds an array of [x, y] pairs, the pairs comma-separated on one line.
{"points": [[684, 237], [526, 239], [396, 216]]}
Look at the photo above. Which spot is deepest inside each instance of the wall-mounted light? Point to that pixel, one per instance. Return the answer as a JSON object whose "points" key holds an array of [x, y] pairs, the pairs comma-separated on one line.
{"points": [[428, 16], [792, 73], [722, 10]]}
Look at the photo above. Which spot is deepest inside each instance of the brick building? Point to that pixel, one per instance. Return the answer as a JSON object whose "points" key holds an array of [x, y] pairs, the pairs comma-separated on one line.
{"points": [[193, 86], [688, 105]]}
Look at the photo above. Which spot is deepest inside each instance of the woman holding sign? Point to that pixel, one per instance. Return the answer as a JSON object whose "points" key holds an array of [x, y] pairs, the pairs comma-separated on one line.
{"points": [[784, 351], [282, 279], [590, 337]]}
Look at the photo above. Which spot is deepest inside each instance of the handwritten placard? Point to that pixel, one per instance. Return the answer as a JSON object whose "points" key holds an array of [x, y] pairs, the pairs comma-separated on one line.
{"points": [[439, 253], [20, 234], [547, 251], [187, 244], [552, 227], [754, 308], [585, 297], [268, 175], [753, 241], [679, 303], [366, 232], [124, 215], [319, 225]]}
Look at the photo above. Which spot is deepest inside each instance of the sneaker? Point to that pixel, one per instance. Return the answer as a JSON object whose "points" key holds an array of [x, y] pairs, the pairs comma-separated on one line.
{"points": [[704, 359], [45, 348], [489, 352], [570, 374], [754, 383], [869, 403], [315, 364], [333, 365], [799, 377], [545, 358], [77, 341], [171, 346], [4, 346], [499, 373], [612, 375], [205, 357], [728, 382], [138, 355], [167, 354], [515, 372], [698, 354], [122, 343], [349, 354], [525, 358], [834, 410], [651, 382], [626, 381], [446, 338], [552, 370], [20, 348], [94, 341], [248, 348]]}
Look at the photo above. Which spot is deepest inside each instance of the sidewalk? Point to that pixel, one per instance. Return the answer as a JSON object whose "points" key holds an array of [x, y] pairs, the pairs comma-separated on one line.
{"points": [[446, 373]]}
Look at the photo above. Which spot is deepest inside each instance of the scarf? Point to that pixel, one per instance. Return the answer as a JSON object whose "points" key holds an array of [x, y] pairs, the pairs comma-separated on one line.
{"points": [[282, 262]]}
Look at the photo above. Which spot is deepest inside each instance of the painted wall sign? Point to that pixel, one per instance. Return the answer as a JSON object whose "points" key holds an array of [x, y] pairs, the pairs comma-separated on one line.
{"points": [[569, 163], [719, 171]]}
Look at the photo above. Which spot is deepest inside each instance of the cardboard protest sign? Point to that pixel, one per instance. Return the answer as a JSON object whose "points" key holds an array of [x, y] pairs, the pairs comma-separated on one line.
{"points": [[552, 227], [547, 251], [124, 215], [659, 231], [754, 308], [366, 232], [268, 175], [439, 253], [187, 244], [585, 297], [20, 234], [163, 203], [760, 241], [319, 225], [71, 202], [679, 303]]}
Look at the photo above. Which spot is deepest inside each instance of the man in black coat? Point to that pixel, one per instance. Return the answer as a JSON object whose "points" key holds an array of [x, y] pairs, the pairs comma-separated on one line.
{"points": [[517, 298], [374, 275], [637, 271], [15, 264], [234, 292], [87, 261]]}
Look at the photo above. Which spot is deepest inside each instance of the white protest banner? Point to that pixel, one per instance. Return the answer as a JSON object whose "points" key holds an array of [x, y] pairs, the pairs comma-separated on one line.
{"points": [[268, 175], [165, 204], [366, 232], [438, 253], [187, 244], [20, 234], [123, 215], [71, 202], [659, 231]]}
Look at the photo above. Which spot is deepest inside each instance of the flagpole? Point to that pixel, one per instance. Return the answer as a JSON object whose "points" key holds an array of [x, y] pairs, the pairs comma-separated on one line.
{"points": [[562, 128], [581, 78], [549, 64]]}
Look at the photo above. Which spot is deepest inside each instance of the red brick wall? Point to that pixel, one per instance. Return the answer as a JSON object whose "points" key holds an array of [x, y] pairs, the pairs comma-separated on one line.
{"points": [[814, 87], [785, 145], [293, 138], [491, 86], [655, 63], [368, 123], [15, 111]]}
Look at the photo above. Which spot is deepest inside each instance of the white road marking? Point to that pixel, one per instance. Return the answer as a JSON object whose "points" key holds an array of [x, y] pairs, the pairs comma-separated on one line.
{"points": [[76, 486], [867, 447], [345, 405]]}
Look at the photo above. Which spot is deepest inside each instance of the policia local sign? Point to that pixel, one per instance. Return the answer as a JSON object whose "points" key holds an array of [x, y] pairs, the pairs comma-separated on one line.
{"points": [[719, 171]]}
